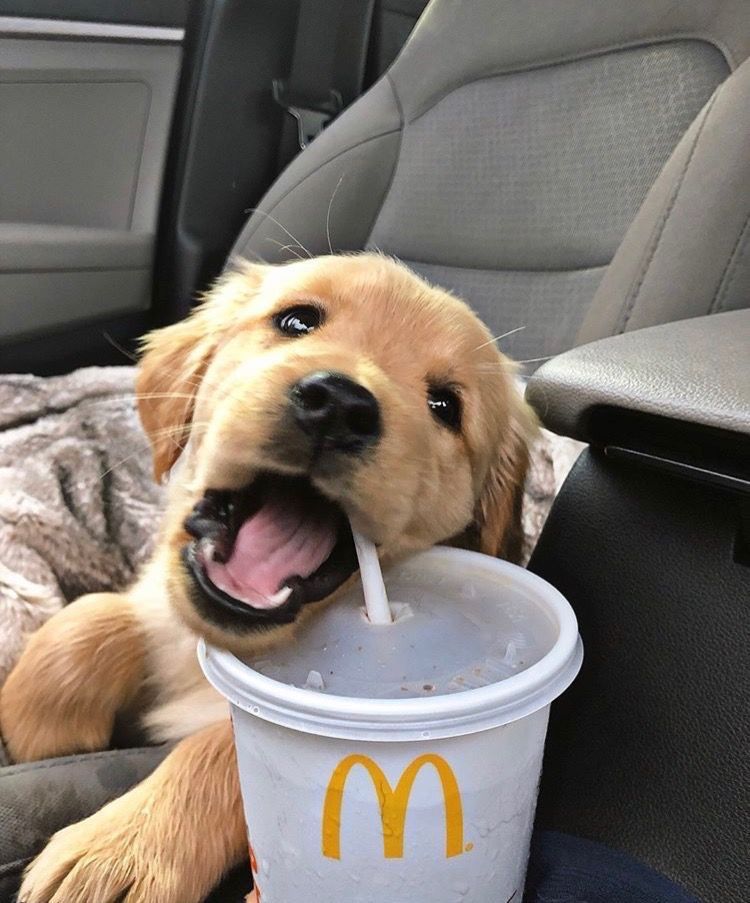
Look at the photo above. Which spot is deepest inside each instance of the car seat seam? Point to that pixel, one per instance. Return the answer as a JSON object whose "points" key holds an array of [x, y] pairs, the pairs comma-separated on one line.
{"points": [[658, 231], [586, 268], [13, 868], [396, 162], [731, 269], [26, 767], [577, 57], [313, 172]]}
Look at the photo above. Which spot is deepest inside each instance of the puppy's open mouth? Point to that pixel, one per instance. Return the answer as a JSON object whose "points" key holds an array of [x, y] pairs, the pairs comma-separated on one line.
{"points": [[260, 553]]}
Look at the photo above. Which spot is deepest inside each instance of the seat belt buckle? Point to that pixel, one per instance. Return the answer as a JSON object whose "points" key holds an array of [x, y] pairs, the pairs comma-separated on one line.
{"points": [[311, 120]]}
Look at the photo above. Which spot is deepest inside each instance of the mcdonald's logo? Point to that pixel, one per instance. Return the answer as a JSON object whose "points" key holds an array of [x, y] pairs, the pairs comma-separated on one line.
{"points": [[392, 804]]}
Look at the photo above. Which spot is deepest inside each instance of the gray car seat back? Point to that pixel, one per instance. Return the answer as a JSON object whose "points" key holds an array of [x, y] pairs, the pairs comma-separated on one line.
{"points": [[687, 252], [508, 149]]}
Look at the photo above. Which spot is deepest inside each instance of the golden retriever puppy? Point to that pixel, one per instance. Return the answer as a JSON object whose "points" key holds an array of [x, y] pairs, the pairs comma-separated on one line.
{"points": [[294, 401]]}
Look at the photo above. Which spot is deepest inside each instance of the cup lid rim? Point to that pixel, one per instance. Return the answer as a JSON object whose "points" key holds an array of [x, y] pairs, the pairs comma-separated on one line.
{"points": [[443, 715]]}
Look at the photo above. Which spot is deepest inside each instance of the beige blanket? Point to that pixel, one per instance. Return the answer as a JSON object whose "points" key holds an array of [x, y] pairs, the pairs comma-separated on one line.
{"points": [[78, 505]]}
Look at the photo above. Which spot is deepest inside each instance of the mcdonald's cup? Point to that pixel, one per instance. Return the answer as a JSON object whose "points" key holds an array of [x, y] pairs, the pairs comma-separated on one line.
{"points": [[400, 763]]}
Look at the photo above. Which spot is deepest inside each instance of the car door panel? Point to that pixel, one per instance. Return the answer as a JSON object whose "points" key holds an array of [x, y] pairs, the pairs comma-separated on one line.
{"points": [[85, 112], [139, 12]]}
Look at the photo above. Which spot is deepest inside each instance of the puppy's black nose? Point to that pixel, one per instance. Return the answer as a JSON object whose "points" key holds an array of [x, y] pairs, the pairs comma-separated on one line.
{"points": [[336, 411]]}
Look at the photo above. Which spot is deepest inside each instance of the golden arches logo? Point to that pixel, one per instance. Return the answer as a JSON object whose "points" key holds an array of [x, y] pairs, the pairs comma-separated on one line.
{"points": [[392, 804]]}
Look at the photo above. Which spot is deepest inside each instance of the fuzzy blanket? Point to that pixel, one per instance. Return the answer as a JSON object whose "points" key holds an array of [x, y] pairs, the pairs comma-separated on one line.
{"points": [[78, 505], [77, 500]]}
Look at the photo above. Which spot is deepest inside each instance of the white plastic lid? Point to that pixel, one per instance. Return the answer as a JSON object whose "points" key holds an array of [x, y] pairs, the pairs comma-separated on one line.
{"points": [[476, 643]]}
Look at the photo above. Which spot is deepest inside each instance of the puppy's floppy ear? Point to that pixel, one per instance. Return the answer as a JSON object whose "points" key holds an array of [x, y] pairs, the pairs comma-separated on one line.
{"points": [[498, 514], [174, 360]]}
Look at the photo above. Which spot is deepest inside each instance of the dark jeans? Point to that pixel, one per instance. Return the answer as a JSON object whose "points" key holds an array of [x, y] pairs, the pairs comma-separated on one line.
{"points": [[564, 869]]}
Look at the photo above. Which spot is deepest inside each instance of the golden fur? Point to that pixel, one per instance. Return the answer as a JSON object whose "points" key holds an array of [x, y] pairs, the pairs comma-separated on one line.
{"points": [[220, 379]]}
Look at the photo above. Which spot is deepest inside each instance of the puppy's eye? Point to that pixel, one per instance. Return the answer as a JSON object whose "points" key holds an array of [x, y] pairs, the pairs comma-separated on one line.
{"points": [[445, 406], [299, 320]]}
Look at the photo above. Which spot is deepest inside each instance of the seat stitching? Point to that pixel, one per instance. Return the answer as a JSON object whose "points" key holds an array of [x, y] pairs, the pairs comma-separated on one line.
{"points": [[731, 269], [310, 174], [508, 269], [396, 162], [24, 767], [8, 869], [659, 228], [576, 57]]}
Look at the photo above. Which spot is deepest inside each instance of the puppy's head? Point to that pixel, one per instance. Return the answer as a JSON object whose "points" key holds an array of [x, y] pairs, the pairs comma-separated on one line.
{"points": [[304, 397]]}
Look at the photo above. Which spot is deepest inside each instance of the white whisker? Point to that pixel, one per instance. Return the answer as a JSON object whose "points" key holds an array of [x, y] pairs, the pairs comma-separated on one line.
{"points": [[288, 247], [499, 338], [118, 347], [149, 395], [135, 454], [534, 360], [328, 213], [254, 210]]}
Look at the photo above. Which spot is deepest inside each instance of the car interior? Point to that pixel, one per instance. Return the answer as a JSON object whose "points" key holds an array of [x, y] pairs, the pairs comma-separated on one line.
{"points": [[580, 173]]}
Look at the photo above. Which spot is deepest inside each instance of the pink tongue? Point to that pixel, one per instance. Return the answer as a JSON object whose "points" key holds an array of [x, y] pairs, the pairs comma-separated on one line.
{"points": [[278, 542]]}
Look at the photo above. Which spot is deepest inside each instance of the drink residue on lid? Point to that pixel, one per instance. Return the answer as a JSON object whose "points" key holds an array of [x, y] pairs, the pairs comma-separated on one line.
{"points": [[441, 638], [376, 599]]}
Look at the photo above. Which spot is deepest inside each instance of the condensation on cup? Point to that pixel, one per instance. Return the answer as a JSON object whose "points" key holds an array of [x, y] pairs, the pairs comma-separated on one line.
{"points": [[401, 763]]}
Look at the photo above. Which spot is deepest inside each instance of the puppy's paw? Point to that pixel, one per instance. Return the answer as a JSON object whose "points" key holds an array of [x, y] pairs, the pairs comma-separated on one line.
{"points": [[32, 734], [118, 854], [36, 723], [77, 672]]}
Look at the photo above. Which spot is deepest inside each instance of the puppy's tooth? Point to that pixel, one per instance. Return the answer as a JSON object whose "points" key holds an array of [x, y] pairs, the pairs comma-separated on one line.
{"points": [[208, 549], [281, 596]]}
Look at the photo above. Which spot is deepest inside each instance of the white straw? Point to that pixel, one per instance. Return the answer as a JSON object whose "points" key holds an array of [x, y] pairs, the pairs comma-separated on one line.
{"points": [[376, 600]]}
